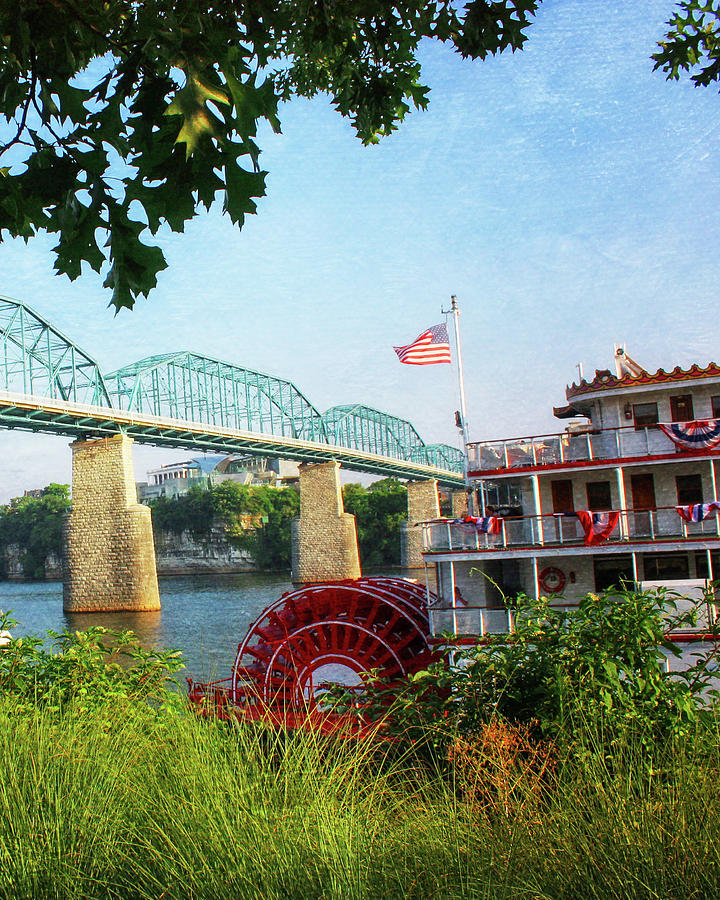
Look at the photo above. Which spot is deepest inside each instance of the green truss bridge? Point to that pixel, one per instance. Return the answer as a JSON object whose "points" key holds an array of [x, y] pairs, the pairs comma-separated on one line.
{"points": [[48, 384]]}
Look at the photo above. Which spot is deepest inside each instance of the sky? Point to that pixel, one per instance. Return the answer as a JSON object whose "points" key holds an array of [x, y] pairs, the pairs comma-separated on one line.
{"points": [[566, 194]]}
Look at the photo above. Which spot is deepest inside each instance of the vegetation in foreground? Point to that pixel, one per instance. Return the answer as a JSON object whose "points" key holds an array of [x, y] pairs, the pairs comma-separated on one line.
{"points": [[112, 788]]}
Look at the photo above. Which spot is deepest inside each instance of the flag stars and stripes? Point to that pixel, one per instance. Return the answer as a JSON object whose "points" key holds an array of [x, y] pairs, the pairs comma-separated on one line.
{"points": [[429, 348]]}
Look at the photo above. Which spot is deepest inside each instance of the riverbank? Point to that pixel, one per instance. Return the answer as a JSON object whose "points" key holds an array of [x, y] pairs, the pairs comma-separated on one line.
{"points": [[175, 554]]}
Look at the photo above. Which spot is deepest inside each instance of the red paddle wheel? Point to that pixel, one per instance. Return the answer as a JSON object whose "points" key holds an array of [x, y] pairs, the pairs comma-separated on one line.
{"points": [[320, 634]]}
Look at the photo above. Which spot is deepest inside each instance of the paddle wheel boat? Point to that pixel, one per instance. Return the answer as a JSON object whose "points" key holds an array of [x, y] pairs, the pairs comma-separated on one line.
{"points": [[627, 492]]}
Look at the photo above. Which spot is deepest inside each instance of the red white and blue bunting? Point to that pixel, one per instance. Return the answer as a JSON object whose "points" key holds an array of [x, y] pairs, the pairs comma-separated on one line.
{"points": [[598, 526], [484, 524], [697, 512], [698, 435]]}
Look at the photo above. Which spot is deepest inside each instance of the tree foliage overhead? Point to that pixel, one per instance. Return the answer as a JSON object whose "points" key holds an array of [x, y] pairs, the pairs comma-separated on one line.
{"points": [[119, 116], [693, 42]]}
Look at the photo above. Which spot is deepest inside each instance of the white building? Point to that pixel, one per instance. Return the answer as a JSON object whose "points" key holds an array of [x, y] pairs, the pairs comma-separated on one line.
{"points": [[177, 478]]}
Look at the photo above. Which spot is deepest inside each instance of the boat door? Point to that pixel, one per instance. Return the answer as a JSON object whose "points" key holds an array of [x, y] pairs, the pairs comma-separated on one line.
{"points": [[563, 502], [642, 489]]}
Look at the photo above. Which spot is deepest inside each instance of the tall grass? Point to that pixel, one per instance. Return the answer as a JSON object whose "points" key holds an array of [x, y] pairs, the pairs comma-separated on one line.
{"points": [[122, 802]]}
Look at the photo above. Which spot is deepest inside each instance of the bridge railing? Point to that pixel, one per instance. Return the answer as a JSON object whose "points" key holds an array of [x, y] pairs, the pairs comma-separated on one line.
{"points": [[272, 444]]}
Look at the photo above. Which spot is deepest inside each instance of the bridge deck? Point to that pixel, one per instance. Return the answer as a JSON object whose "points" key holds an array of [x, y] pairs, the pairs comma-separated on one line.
{"points": [[77, 420]]}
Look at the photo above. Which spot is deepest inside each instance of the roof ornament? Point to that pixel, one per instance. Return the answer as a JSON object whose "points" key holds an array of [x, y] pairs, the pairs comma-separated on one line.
{"points": [[626, 365]]}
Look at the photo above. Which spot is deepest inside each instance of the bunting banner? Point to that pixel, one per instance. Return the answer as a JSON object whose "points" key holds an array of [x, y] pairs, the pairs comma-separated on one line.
{"points": [[698, 511], [598, 526], [484, 524], [697, 435]]}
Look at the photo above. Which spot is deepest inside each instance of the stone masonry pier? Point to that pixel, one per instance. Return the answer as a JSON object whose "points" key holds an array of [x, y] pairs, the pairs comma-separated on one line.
{"points": [[324, 546], [109, 555], [423, 503]]}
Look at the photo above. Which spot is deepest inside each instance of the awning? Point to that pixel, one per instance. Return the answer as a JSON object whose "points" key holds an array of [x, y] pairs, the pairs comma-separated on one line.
{"points": [[568, 412]]}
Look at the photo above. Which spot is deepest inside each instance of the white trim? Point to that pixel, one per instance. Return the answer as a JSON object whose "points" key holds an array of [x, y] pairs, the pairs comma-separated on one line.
{"points": [[595, 465], [559, 551]]}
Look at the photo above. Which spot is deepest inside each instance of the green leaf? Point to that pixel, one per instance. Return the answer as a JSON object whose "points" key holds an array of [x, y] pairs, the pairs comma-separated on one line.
{"points": [[240, 187], [190, 102]]}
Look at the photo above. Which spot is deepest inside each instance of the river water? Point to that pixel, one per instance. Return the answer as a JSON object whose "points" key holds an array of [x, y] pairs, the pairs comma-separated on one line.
{"points": [[205, 616]]}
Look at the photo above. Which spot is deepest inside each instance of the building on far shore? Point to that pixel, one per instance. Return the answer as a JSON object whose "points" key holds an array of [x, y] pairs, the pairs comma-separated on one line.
{"points": [[176, 479]]}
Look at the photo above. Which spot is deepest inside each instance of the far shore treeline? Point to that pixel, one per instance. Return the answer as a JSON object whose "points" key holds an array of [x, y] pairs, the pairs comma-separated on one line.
{"points": [[255, 519]]}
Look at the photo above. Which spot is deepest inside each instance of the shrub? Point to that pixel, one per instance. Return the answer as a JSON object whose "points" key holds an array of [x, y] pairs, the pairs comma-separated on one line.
{"points": [[603, 663], [84, 668]]}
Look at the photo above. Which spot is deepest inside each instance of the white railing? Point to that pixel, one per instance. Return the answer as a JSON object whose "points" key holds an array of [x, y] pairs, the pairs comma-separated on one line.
{"points": [[558, 531], [569, 447], [479, 621], [476, 620]]}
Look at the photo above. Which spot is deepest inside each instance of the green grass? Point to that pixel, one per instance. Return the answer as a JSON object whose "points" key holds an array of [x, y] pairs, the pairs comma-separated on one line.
{"points": [[123, 803]]}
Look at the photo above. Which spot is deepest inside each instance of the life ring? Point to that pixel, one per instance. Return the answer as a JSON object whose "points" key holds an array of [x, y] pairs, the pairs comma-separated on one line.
{"points": [[552, 580]]}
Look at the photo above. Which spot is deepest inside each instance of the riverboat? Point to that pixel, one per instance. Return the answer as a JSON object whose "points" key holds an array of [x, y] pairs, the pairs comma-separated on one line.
{"points": [[626, 492]]}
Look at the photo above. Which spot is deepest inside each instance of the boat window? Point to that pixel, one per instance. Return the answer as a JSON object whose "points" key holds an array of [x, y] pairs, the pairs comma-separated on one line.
{"points": [[701, 564], [612, 571], [645, 414], [681, 408], [666, 567], [598, 495], [715, 407], [689, 489], [503, 493]]}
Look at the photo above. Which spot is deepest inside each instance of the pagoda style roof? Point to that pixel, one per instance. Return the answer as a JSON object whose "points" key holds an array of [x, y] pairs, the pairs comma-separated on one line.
{"points": [[605, 380]]}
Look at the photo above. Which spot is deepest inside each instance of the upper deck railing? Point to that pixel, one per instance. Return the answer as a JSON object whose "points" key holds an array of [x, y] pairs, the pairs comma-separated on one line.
{"points": [[637, 526], [587, 445]]}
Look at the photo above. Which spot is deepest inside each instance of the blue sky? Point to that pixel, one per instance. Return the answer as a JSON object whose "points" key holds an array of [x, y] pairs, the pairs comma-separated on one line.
{"points": [[566, 194]]}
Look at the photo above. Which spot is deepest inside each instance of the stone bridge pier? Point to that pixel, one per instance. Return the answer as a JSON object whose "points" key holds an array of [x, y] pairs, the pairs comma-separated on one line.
{"points": [[324, 537], [109, 550], [423, 503]]}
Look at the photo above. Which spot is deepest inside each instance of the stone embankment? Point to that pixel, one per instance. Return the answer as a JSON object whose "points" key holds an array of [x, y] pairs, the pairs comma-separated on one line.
{"points": [[185, 554], [12, 564], [175, 554]]}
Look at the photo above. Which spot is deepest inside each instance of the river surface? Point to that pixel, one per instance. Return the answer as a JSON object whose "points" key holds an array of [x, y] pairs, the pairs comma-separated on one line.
{"points": [[205, 616]]}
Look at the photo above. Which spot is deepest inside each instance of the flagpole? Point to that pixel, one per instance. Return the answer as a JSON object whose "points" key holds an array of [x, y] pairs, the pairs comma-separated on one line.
{"points": [[455, 312]]}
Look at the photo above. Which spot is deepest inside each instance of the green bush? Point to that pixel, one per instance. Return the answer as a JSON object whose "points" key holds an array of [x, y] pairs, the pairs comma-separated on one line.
{"points": [[84, 668], [602, 664], [104, 796]]}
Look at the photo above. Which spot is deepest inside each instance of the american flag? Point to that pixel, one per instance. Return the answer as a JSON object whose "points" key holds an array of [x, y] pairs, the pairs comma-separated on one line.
{"points": [[432, 346]]}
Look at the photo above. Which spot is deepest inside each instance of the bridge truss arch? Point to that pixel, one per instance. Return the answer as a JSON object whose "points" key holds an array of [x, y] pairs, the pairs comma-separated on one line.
{"points": [[199, 388], [364, 428], [373, 431], [37, 359]]}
